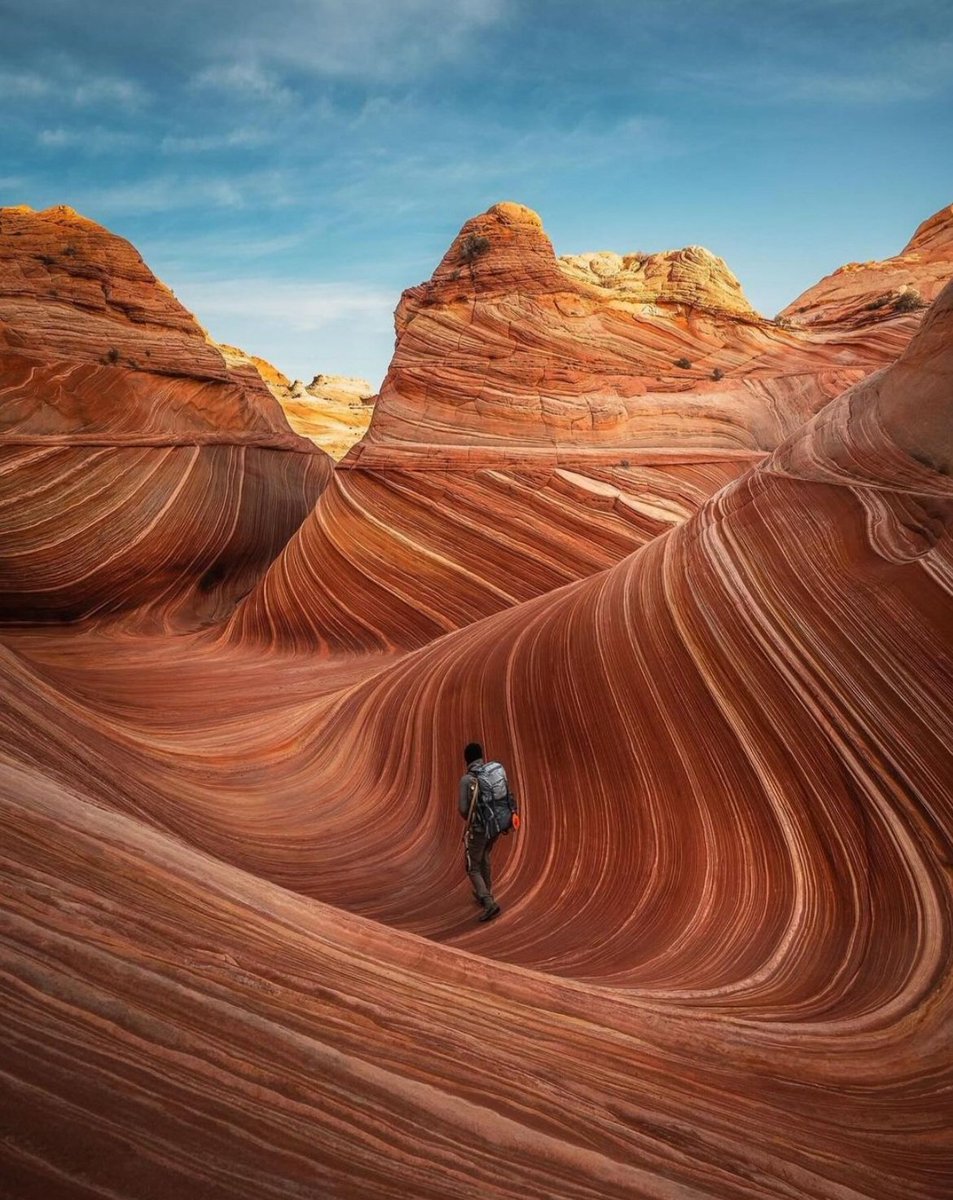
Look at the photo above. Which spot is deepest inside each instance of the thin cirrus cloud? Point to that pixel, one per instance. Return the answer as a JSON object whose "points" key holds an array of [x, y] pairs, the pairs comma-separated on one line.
{"points": [[72, 90], [365, 39], [245, 78], [304, 327], [95, 140], [303, 305], [263, 190], [233, 139]]}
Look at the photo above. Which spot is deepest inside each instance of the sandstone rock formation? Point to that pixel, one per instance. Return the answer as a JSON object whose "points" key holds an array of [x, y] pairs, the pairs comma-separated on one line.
{"points": [[691, 277], [508, 345], [859, 294], [139, 470], [540, 420], [724, 965], [334, 411]]}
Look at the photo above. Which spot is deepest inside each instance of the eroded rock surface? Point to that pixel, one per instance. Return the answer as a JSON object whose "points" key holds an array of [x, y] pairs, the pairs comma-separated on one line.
{"points": [[536, 426]]}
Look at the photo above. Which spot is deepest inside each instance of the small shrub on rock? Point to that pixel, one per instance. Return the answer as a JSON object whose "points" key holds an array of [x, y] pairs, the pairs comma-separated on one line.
{"points": [[472, 246], [684, 363], [717, 374], [909, 301]]}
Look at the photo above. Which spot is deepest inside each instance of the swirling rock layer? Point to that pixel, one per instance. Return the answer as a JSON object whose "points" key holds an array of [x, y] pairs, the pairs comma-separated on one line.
{"points": [[138, 471], [238, 956], [723, 969]]}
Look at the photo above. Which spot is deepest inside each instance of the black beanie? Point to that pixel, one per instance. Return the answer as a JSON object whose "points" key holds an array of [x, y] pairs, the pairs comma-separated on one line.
{"points": [[472, 753]]}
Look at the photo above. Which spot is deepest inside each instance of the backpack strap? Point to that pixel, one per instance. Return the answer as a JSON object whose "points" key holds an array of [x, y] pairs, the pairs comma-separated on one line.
{"points": [[474, 792]]}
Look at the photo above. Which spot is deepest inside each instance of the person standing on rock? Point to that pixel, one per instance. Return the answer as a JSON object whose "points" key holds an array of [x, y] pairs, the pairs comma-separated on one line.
{"points": [[489, 809]]}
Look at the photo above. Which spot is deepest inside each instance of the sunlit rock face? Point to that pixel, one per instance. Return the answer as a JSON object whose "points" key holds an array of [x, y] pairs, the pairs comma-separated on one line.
{"points": [[692, 276], [882, 293], [140, 471], [333, 411], [723, 967], [541, 419]]}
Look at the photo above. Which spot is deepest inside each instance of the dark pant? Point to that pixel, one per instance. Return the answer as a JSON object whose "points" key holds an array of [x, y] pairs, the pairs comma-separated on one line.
{"points": [[478, 847]]}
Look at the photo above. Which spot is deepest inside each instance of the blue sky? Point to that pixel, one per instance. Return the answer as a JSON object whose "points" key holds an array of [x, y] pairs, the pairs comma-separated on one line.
{"points": [[289, 168]]}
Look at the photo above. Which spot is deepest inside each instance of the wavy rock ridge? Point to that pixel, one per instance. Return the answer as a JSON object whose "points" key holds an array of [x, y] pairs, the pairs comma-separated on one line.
{"points": [[723, 969]]}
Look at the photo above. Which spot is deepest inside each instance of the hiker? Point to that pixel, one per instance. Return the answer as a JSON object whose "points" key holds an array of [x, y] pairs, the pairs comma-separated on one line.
{"points": [[489, 808]]}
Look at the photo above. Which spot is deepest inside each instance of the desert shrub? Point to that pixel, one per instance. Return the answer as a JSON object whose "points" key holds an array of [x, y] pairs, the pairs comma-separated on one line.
{"points": [[909, 301], [472, 246], [717, 374], [70, 251], [684, 363], [112, 356]]}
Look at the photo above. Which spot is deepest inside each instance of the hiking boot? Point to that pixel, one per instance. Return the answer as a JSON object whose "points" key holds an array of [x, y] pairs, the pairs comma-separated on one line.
{"points": [[490, 910]]}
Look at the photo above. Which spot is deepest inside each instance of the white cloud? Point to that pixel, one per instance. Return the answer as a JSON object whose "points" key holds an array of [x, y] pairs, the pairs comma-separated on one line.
{"points": [[371, 40], [175, 192], [296, 305], [246, 78], [105, 91], [245, 138], [96, 140], [23, 85], [912, 69], [303, 328], [72, 89]]}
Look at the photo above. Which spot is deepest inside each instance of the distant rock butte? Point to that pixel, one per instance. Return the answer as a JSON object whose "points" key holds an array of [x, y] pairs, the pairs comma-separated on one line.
{"points": [[334, 411], [146, 471], [859, 294], [73, 293]]}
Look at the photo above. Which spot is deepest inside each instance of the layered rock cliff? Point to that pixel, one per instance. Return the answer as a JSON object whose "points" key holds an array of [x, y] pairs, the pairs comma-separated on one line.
{"points": [[139, 468]]}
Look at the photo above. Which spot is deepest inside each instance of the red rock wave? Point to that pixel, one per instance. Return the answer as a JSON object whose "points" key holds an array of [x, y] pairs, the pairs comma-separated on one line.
{"points": [[136, 469], [723, 967]]}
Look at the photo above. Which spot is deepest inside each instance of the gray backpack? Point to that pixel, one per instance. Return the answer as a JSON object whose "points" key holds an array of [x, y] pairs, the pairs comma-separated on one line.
{"points": [[493, 811]]}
